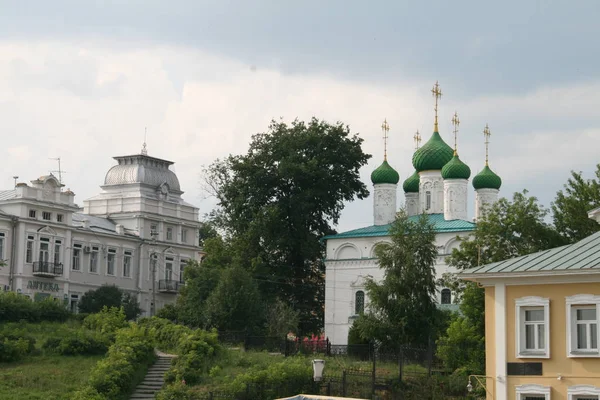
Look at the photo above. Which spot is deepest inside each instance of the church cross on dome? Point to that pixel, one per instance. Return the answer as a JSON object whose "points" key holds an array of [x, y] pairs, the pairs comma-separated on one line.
{"points": [[385, 127], [417, 138], [486, 134], [437, 93], [456, 123]]}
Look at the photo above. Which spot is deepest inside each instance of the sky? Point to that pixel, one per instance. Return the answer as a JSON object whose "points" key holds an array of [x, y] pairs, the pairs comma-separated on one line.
{"points": [[83, 80]]}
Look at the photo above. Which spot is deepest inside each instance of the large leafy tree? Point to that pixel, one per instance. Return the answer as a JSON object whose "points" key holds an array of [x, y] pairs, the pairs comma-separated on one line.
{"points": [[276, 202], [110, 296], [402, 307], [571, 206]]}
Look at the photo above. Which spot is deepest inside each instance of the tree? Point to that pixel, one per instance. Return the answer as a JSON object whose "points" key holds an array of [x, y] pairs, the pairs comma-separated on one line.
{"points": [[571, 206], [279, 199], [281, 319], [110, 296], [402, 308]]}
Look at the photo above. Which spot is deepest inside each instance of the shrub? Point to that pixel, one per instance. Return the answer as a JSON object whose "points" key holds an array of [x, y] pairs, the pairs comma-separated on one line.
{"points": [[15, 307], [107, 321], [52, 310], [13, 349], [109, 296], [169, 312], [79, 342], [176, 391]]}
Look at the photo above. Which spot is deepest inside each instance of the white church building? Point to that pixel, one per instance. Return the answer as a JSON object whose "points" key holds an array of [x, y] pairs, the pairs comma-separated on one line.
{"points": [[438, 188], [137, 234]]}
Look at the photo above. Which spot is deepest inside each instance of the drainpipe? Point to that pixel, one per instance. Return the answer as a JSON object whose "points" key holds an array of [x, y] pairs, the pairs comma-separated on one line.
{"points": [[13, 252]]}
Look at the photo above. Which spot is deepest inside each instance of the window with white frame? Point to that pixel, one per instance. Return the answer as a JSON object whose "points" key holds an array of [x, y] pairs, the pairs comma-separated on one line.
{"points": [[184, 236], [32, 214], [533, 392], [94, 260], [533, 330], [127, 256], [582, 320], [583, 392], [59, 218], [182, 264], [29, 249], [76, 263], [110, 261], [427, 200], [153, 230], [359, 302], [2, 240], [46, 215], [169, 268], [57, 251], [169, 233]]}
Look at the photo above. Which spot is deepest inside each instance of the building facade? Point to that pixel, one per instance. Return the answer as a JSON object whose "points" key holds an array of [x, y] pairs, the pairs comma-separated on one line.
{"points": [[542, 313], [137, 234]]}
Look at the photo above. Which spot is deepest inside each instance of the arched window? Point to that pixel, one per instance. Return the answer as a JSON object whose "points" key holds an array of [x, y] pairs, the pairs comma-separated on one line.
{"points": [[446, 296], [359, 302]]}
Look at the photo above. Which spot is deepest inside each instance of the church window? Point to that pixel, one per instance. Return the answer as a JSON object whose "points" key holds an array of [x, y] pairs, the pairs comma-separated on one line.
{"points": [[446, 296], [359, 302], [427, 200]]}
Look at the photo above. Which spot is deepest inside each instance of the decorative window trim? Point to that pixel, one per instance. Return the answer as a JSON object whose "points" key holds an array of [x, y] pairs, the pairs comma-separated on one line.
{"points": [[364, 298], [536, 390], [442, 293], [581, 300], [582, 390], [520, 305]]}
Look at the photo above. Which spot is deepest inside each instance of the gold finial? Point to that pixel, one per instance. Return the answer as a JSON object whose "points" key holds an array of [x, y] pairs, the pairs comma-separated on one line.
{"points": [[437, 93], [417, 138], [385, 127], [486, 134], [456, 123], [144, 149]]}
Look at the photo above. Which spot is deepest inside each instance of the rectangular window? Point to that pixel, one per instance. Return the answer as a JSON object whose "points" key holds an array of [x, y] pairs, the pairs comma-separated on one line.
{"points": [[532, 320], [29, 249], [2, 237], [169, 233], [76, 264], [169, 268], [582, 334], [127, 264], [583, 392], [181, 268], [184, 236], [533, 392], [94, 260], [46, 215], [154, 230], [427, 200], [32, 214], [59, 217], [110, 261], [57, 255]]}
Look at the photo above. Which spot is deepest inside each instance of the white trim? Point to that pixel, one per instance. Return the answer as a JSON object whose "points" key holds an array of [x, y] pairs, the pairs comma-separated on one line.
{"points": [[524, 390], [579, 300], [583, 390], [500, 332], [535, 279], [345, 245], [531, 301]]}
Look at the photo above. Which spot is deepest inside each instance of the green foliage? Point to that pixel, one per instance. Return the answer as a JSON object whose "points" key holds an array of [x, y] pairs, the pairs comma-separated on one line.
{"points": [[197, 351], [277, 201], [176, 391], [169, 311], [463, 347], [402, 307], [571, 206], [109, 296], [107, 321], [115, 376], [281, 319], [79, 342], [166, 334], [200, 281], [207, 231], [15, 307], [14, 348]]}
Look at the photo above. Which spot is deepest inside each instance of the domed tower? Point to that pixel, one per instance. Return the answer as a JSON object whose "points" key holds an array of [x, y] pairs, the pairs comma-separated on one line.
{"points": [[486, 183], [385, 183], [456, 175], [411, 194], [429, 161]]}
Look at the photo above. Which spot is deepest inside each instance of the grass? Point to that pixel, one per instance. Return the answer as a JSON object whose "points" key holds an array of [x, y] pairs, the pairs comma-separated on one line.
{"points": [[40, 330], [44, 377]]}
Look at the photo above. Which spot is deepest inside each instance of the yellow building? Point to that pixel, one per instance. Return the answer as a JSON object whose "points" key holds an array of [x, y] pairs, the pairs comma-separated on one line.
{"points": [[542, 313]]}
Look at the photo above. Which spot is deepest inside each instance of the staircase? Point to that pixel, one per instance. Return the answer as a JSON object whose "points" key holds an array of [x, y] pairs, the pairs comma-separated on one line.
{"points": [[154, 379]]}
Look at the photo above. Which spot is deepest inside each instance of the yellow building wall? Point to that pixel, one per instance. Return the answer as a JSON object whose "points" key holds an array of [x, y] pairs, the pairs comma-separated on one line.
{"points": [[574, 371], [490, 341]]}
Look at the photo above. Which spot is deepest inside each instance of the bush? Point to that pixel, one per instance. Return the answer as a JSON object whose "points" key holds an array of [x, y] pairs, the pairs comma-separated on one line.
{"points": [[109, 296], [13, 348], [176, 391], [107, 321], [169, 312], [79, 342], [52, 310]]}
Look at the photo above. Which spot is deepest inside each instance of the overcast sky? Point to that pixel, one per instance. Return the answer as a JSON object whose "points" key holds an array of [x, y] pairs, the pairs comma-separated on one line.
{"points": [[81, 79]]}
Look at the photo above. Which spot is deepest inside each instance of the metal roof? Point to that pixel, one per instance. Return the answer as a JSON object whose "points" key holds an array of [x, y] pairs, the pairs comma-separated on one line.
{"points": [[8, 194], [437, 220], [96, 223], [580, 256]]}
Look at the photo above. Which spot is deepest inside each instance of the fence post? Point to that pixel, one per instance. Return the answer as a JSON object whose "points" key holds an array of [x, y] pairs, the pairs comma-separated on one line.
{"points": [[374, 367], [429, 355], [328, 347], [344, 383], [328, 388], [400, 363]]}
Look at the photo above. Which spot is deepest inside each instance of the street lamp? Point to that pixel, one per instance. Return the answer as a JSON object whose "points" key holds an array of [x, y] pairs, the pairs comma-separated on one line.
{"points": [[469, 386], [318, 366]]}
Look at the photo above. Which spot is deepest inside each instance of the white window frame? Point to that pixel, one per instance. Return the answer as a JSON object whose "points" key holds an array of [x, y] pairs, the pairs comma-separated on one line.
{"points": [[94, 253], [111, 252], [2, 244], [46, 214], [182, 265], [169, 234], [169, 262], [571, 303], [59, 217], [532, 390], [521, 305], [578, 391], [29, 251], [183, 235], [77, 249], [33, 214], [127, 260]]}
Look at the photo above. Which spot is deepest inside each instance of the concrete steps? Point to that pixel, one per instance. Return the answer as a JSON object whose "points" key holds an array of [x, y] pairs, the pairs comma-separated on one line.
{"points": [[154, 379]]}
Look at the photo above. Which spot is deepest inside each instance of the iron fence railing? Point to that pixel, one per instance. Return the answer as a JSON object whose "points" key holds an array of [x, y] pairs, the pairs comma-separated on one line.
{"points": [[47, 267]]}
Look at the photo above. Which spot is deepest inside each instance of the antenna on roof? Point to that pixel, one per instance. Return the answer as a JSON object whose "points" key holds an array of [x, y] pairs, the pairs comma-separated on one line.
{"points": [[59, 171]]}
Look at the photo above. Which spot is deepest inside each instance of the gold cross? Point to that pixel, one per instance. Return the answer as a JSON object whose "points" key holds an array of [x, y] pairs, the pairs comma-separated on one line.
{"points": [[385, 127], [437, 93], [456, 123], [486, 134], [417, 138]]}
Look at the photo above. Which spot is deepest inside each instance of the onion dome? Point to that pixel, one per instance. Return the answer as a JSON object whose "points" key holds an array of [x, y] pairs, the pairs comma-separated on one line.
{"points": [[433, 155], [144, 170], [487, 179], [456, 169], [385, 174], [411, 184]]}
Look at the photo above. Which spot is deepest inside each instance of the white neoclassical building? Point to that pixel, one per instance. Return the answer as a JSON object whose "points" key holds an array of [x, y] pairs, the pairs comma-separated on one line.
{"points": [[137, 234], [438, 188]]}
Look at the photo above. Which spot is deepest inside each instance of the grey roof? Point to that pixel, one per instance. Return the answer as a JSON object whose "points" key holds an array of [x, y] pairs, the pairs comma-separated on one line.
{"points": [[580, 256], [8, 194], [97, 224], [144, 170]]}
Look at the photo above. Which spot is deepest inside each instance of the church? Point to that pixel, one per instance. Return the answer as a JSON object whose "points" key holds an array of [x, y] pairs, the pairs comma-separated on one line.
{"points": [[438, 188]]}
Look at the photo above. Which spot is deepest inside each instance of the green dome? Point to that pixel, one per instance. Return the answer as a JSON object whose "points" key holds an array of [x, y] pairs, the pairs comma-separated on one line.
{"points": [[411, 184], [433, 155], [456, 169], [385, 174], [487, 179]]}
